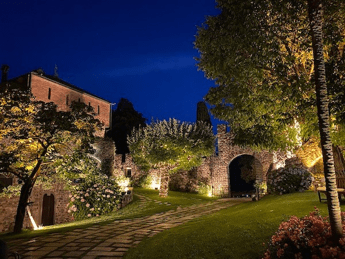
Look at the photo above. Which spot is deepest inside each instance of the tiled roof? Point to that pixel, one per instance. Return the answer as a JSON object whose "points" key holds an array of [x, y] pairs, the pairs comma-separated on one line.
{"points": [[62, 82], [40, 73]]}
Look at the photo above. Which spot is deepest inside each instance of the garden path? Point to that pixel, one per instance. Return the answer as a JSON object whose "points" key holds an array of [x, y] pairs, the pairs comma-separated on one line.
{"points": [[114, 239]]}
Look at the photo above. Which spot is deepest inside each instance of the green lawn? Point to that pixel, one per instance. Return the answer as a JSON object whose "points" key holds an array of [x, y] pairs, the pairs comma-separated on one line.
{"points": [[133, 210], [236, 232]]}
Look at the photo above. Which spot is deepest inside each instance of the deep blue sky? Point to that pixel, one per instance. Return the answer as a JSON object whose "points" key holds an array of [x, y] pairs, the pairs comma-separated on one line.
{"points": [[139, 50]]}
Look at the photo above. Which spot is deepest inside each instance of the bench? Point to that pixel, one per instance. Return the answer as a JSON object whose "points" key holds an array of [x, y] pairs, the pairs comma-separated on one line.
{"points": [[340, 189]]}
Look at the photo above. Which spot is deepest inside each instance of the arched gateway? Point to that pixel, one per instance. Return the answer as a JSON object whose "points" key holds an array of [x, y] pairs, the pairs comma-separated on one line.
{"points": [[217, 166]]}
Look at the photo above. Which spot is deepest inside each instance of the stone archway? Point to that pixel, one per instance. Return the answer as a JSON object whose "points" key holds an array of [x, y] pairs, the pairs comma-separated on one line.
{"points": [[218, 165], [243, 171], [48, 210]]}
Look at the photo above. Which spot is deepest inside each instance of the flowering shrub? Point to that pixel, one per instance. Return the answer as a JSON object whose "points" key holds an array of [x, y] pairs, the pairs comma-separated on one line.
{"points": [[93, 197], [288, 180], [307, 237]]}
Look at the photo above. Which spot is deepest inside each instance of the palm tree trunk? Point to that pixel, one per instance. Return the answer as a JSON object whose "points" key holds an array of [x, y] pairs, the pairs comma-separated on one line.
{"points": [[315, 18]]}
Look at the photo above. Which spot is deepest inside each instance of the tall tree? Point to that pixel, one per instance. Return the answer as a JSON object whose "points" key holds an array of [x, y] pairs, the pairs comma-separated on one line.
{"points": [[315, 16], [33, 134], [124, 119], [202, 113], [262, 57], [171, 146]]}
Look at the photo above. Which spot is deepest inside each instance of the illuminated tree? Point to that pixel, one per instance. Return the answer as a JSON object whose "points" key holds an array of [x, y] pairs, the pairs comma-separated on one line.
{"points": [[263, 59], [34, 134], [260, 55], [171, 146]]}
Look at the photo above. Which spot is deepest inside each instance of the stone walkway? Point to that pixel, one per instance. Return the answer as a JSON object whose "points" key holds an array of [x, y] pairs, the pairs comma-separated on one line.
{"points": [[114, 239]]}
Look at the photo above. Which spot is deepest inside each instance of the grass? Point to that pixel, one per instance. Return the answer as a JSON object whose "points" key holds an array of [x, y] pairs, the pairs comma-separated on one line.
{"points": [[133, 210], [236, 232]]}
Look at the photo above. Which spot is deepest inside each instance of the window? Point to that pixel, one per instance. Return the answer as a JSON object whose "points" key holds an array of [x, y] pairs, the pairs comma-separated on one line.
{"points": [[89, 104], [67, 101], [49, 93], [128, 172], [78, 99], [5, 181], [98, 110]]}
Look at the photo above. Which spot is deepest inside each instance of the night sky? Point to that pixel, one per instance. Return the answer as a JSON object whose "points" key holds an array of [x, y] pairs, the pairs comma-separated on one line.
{"points": [[139, 50]]}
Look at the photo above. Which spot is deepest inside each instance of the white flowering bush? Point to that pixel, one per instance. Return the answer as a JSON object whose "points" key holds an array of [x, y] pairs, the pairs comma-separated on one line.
{"points": [[288, 180], [95, 196]]}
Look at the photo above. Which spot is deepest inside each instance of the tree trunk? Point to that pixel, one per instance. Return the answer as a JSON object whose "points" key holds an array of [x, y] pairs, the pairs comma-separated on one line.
{"points": [[23, 202], [25, 193], [315, 17], [164, 188]]}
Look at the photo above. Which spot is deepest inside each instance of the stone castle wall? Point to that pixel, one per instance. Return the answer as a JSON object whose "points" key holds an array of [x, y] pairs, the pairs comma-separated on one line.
{"points": [[214, 170]]}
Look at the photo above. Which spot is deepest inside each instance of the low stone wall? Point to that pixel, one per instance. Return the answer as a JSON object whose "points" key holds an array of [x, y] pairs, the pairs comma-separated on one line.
{"points": [[126, 199]]}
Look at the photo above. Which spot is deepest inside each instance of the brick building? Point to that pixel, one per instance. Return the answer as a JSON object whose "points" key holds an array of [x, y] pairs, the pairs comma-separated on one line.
{"points": [[48, 88], [51, 206]]}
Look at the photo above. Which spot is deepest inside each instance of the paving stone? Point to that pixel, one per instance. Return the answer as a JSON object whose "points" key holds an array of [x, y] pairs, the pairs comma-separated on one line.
{"points": [[103, 248], [72, 244], [36, 253], [121, 249], [105, 253], [122, 245], [32, 248], [68, 248], [84, 248], [74, 253], [57, 253]]}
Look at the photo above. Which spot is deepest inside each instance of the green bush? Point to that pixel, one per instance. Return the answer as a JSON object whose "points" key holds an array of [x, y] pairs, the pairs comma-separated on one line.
{"points": [[204, 189], [288, 180], [95, 196]]}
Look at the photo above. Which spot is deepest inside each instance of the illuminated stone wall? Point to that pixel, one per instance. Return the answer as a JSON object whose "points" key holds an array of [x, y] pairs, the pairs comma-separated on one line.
{"points": [[105, 154], [218, 165], [61, 201], [215, 169]]}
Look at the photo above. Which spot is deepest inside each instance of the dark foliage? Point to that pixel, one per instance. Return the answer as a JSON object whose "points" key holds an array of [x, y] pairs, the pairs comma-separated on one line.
{"points": [[124, 119], [202, 113]]}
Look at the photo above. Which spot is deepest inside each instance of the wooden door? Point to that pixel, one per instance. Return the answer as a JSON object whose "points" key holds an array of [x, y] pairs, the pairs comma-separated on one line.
{"points": [[48, 210]]}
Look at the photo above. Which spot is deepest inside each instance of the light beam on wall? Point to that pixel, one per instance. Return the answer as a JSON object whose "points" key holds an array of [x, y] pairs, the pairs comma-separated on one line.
{"points": [[32, 220]]}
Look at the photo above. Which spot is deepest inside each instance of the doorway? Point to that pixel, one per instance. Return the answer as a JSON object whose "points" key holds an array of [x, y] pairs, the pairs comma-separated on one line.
{"points": [[48, 210]]}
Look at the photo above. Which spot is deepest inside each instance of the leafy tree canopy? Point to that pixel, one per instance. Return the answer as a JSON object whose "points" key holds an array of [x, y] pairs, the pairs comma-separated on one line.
{"points": [[171, 145], [260, 55], [34, 134]]}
